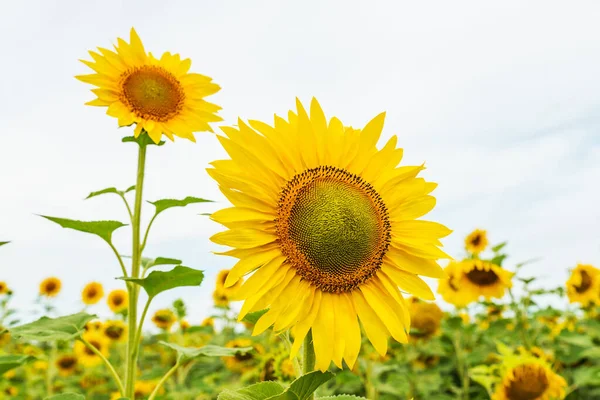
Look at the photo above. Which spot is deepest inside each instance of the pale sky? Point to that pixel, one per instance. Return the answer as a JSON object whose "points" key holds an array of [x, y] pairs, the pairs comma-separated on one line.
{"points": [[500, 100]]}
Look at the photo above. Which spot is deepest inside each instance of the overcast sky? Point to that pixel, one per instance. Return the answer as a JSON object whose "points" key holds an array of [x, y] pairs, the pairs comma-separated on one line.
{"points": [[501, 101]]}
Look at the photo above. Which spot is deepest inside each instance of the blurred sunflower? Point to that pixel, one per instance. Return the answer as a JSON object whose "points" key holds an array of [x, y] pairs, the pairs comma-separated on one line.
{"points": [[328, 223], [449, 287], [117, 300], [144, 388], [115, 331], [3, 288], [426, 318], [164, 319], [583, 285], [425, 361], [92, 293], [160, 96], [66, 364], [477, 241], [220, 298], [50, 287], [4, 337], [285, 369], [85, 356], [184, 325], [242, 361], [11, 391]]}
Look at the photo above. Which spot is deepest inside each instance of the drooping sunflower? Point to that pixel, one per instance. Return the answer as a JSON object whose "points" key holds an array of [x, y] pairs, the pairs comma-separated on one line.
{"points": [[92, 293], [243, 361], [583, 285], [328, 222], [85, 355], [115, 331], [164, 319], [50, 287], [3, 288], [426, 318], [66, 364], [525, 376], [160, 96], [117, 300], [477, 241]]}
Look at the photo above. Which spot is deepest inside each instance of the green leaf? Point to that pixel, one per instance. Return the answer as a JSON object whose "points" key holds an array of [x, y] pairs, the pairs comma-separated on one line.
{"points": [[164, 204], [110, 190], [130, 189], [66, 396], [499, 259], [527, 281], [253, 317], [104, 229], [142, 140], [50, 329], [259, 391], [342, 397], [188, 353], [588, 376], [159, 281], [499, 247], [3, 243], [13, 361], [303, 387]]}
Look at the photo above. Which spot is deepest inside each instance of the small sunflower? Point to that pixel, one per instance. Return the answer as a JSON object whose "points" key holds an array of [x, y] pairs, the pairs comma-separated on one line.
{"points": [[66, 364], [117, 300], [93, 326], [92, 293], [144, 388], [160, 96], [4, 288], [115, 331], [328, 223], [449, 287], [164, 319], [583, 285], [222, 278], [477, 241], [184, 325], [210, 322], [11, 391], [86, 356], [220, 298], [242, 361], [426, 318], [285, 369], [50, 287]]}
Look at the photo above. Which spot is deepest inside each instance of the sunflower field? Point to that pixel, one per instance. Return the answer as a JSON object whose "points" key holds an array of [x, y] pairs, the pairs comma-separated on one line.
{"points": [[325, 297]]}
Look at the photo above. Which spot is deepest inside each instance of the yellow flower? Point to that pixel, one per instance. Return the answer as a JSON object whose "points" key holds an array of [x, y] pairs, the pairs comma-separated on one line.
{"points": [[208, 322], [164, 319], [85, 356], [328, 223], [66, 364], [10, 374], [117, 300], [160, 96], [4, 337], [92, 293], [115, 331], [40, 365], [220, 298], [466, 318], [242, 361], [477, 241], [144, 388], [222, 278], [184, 325], [4, 288], [11, 391], [50, 287], [449, 288], [424, 361], [584, 285], [426, 318], [286, 369]]}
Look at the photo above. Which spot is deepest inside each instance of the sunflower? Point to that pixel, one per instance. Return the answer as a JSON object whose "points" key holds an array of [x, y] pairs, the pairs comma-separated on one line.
{"points": [[328, 222], [160, 96], [525, 376], [210, 322], [220, 298], [66, 364], [426, 318], [164, 319], [92, 293], [222, 278], [449, 288], [93, 326], [285, 369], [117, 300], [242, 361], [4, 288], [85, 356], [4, 337], [11, 391], [477, 241], [184, 325], [584, 285], [115, 331], [50, 287]]}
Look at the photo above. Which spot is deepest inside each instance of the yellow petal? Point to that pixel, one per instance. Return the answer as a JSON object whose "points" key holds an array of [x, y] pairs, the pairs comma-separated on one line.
{"points": [[259, 279], [414, 265], [387, 314], [408, 282], [324, 333], [243, 238], [374, 328], [301, 329], [257, 259]]}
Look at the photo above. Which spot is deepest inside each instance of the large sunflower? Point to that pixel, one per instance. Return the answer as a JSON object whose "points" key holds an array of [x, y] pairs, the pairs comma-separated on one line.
{"points": [[328, 223], [583, 285], [160, 96]]}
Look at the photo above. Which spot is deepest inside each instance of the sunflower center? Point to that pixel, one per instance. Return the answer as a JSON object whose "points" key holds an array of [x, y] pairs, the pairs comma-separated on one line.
{"points": [[92, 292], [476, 240], [67, 362], [333, 227], [530, 381], [586, 283], [482, 277], [114, 332], [243, 356], [117, 301], [50, 286], [151, 92]]}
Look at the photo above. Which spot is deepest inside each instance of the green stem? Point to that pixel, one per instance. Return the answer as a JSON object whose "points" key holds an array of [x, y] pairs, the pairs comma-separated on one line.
{"points": [[147, 232], [114, 249], [295, 363], [519, 324], [308, 361], [128, 208], [463, 370], [369, 387], [136, 255], [108, 364], [138, 334], [163, 380]]}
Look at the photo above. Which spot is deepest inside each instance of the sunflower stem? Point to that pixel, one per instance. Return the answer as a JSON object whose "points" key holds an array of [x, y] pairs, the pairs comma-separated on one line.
{"points": [[108, 364], [133, 290], [308, 361], [164, 379]]}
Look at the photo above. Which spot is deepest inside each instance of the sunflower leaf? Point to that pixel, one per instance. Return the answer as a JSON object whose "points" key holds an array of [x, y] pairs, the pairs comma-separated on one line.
{"points": [[164, 204], [163, 261], [499, 247], [142, 140], [342, 397], [303, 387], [9, 362], [159, 281], [253, 317], [51, 329], [189, 353], [110, 190], [104, 229], [67, 396], [3, 243], [258, 391]]}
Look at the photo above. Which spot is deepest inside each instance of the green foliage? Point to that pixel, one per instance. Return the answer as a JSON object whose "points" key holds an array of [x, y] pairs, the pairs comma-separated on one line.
{"points": [[342, 397], [3, 243], [142, 140], [104, 229], [303, 387], [253, 317], [258, 391], [52, 329], [159, 281], [66, 396], [8, 362], [189, 353], [111, 190], [165, 204]]}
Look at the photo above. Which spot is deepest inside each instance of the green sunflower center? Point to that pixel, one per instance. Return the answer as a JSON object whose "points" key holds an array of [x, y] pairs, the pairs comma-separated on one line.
{"points": [[333, 227], [153, 93], [530, 382], [481, 277], [586, 283]]}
